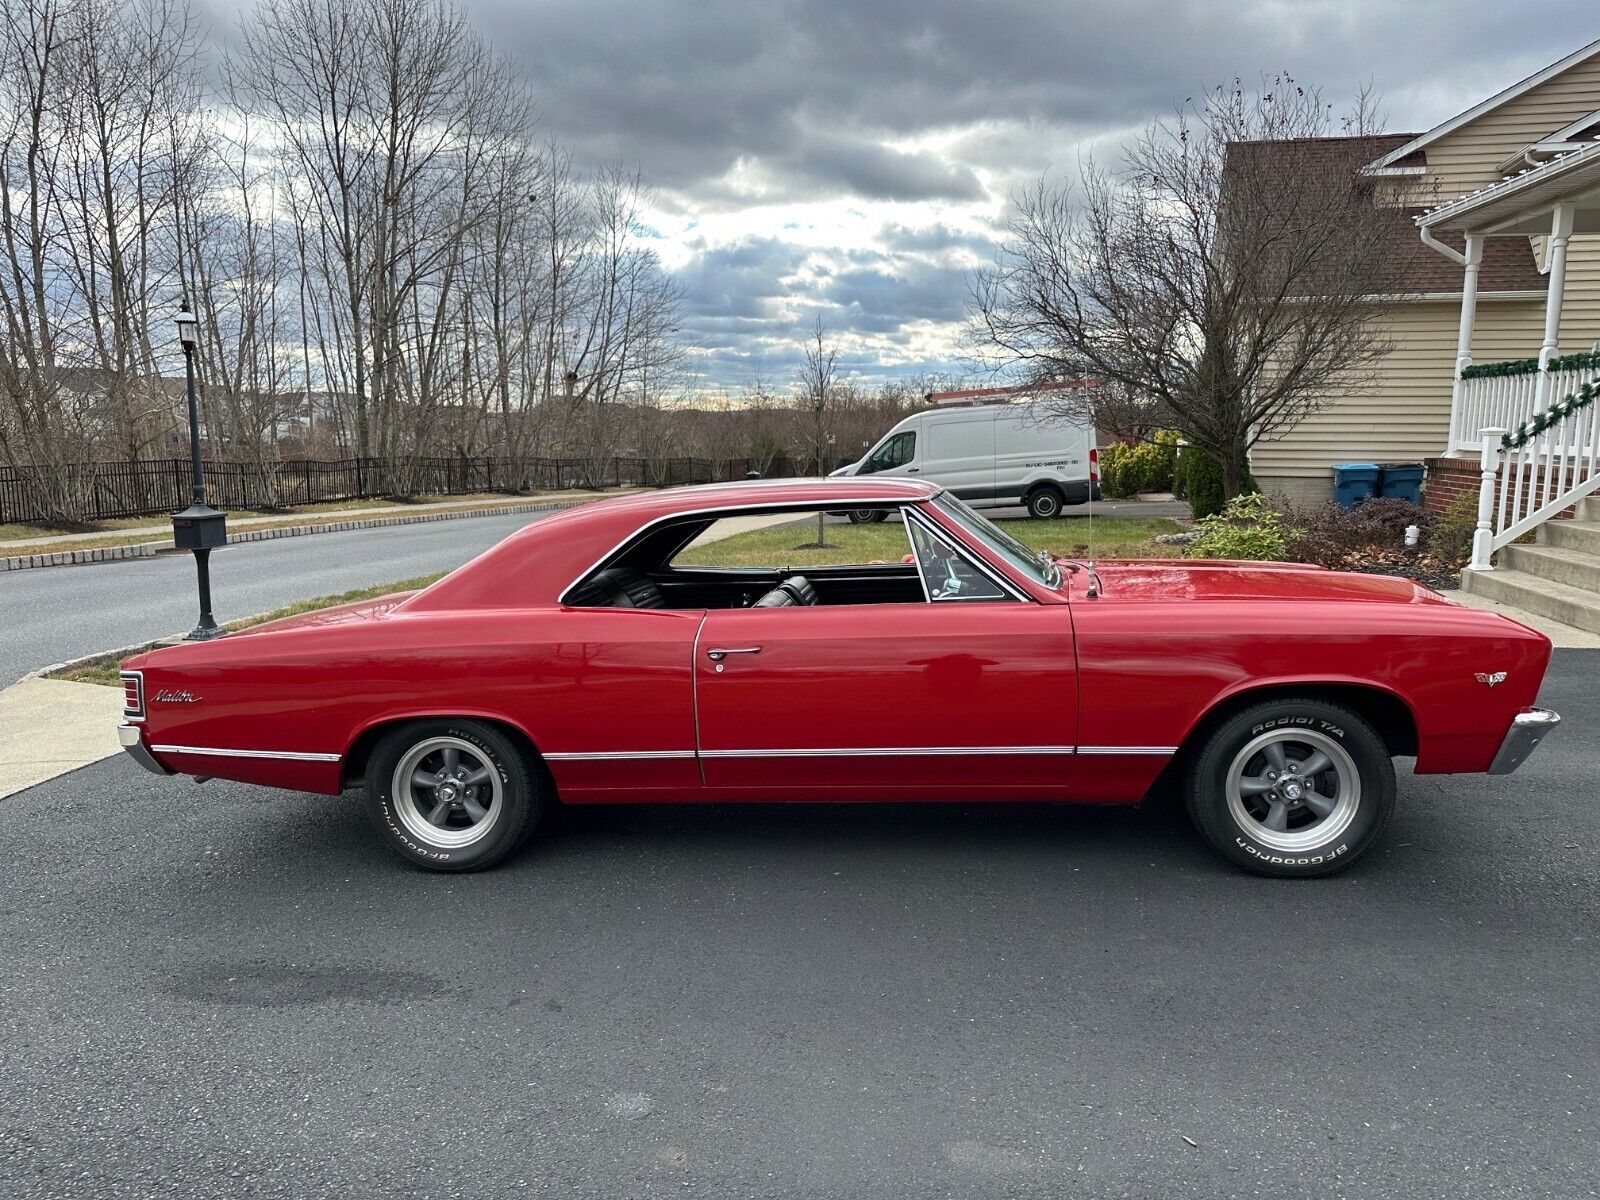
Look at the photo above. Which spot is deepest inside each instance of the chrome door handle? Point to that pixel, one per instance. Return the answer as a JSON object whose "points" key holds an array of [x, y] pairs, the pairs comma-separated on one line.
{"points": [[719, 655]]}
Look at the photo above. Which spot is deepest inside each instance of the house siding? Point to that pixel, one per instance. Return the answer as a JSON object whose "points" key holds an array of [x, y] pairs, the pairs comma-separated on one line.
{"points": [[1468, 158], [1403, 415]]}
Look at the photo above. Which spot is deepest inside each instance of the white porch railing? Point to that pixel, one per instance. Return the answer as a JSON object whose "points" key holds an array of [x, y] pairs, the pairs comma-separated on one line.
{"points": [[1528, 477], [1505, 401]]}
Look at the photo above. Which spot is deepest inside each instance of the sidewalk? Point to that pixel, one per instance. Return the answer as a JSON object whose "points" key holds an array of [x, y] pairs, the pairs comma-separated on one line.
{"points": [[49, 727]]}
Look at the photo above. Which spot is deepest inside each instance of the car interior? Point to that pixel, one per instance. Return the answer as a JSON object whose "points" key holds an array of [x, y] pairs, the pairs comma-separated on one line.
{"points": [[643, 574]]}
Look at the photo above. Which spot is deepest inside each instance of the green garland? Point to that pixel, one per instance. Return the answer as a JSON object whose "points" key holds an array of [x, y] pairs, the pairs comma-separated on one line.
{"points": [[1529, 366], [1557, 412], [1575, 362], [1519, 366]]}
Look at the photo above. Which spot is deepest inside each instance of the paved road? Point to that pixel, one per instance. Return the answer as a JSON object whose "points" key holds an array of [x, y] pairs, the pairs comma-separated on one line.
{"points": [[219, 991], [55, 613]]}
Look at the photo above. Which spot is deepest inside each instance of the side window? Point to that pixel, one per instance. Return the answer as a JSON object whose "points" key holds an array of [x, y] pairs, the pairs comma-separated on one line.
{"points": [[788, 541], [896, 452], [947, 572]]}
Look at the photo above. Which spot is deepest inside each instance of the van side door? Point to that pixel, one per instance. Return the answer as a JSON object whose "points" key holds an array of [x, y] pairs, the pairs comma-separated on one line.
{"points": [[958, 453]]}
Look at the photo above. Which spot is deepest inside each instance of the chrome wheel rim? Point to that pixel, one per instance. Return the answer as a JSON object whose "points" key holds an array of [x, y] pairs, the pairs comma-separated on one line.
{"points": [[1293, 790], [446, 793]]}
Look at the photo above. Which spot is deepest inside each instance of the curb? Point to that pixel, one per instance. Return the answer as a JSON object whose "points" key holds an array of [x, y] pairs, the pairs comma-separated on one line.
{"points": [[68, 558]]}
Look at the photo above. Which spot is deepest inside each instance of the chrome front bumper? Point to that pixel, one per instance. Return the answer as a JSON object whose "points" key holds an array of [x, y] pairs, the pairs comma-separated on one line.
{"points": [[133, 742], [1526, 732]]}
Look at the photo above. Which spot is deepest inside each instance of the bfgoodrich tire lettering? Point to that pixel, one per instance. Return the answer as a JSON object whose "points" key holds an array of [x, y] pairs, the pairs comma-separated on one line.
{"points": [[1292, 788], [451, 795]]}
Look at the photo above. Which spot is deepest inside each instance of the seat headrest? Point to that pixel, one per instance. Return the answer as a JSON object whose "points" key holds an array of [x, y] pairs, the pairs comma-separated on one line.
{"points": [[776, 598], [801, 588]]}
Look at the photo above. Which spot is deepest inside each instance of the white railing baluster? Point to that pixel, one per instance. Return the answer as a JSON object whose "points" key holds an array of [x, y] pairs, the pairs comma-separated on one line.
{"points": [[1483, 537]]}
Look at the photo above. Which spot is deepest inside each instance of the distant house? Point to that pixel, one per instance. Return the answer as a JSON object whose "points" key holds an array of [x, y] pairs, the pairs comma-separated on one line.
{"points": [[1413, 410]]}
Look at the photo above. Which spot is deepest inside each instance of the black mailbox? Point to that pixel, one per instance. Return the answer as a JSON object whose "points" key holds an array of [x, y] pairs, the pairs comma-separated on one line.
{"points": [[199, 527]]}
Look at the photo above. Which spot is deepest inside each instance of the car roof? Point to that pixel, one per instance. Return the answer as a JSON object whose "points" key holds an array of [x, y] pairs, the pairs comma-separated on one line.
{"points": [[535, 565]]}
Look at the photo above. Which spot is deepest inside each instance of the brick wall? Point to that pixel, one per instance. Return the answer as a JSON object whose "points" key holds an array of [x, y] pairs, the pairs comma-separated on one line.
{"points": [[1448, 478]]}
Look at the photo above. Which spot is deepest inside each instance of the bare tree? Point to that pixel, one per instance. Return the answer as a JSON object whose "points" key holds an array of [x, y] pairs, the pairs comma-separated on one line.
{"points": [[817, 388], [1219, 280]]}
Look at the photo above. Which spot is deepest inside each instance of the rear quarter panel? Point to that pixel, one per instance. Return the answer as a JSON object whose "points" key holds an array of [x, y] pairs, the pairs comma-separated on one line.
{"points": [[1150, 671]]}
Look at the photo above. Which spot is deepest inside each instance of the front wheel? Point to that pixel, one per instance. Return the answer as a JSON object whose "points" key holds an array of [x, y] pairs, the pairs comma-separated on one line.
{"points": [[1292, 788], [1044, 503], [451, 795], [866, 516]]}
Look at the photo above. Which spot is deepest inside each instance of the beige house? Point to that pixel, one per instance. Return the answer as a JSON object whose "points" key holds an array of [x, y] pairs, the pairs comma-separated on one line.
{"points": [[1414, 410]]}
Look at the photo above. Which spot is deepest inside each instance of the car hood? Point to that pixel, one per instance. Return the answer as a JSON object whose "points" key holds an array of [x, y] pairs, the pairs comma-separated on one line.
{"points": [[1215, 579]]}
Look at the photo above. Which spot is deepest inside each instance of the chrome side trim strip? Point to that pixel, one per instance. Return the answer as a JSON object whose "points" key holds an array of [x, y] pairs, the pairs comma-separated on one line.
{"points": [[218, 752], [831, 752], [886, 751], [614, 755]]}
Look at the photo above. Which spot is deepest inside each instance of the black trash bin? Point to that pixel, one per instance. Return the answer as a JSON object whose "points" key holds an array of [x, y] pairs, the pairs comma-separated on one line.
{"points": [[1401, 481]]}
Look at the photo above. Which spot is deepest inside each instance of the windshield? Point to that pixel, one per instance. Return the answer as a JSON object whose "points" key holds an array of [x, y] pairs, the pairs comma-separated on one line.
{"points": [[1036, 564]]}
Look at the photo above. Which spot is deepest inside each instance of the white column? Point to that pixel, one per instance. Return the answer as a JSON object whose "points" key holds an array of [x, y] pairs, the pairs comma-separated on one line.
{"points": [[1560, 235], [1469, 316]]}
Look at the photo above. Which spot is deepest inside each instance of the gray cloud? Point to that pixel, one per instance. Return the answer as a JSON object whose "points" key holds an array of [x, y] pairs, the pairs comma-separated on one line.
{"points": [[840, 100]]}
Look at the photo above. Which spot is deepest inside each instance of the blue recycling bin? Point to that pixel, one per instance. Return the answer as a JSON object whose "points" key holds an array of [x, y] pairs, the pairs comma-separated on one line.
{"points": [[1355, 482], [1401, 481]]}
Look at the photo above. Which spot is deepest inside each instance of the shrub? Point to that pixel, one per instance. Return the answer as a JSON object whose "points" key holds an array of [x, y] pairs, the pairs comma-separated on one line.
{"points": [[1126, 470], [1249, 527], [1202, 478], [1331, 536], [1116, 480], [1451, 538]]}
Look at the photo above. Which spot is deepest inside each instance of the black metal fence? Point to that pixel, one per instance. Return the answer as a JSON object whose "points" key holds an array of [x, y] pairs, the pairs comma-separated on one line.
{"points": [[151, 487]]}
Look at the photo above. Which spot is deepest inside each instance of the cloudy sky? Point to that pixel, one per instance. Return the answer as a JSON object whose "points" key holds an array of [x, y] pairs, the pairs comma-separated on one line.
{"points": [[853, 158]]}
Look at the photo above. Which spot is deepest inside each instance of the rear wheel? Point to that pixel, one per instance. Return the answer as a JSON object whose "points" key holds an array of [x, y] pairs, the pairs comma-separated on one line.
{"points": [[451, 795], [1292, 788], [1044, 503], [867, 516]]}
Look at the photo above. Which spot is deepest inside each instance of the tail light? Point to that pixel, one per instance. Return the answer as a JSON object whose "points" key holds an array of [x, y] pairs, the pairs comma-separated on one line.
{"points": [[1094, 466], [133, 695]]}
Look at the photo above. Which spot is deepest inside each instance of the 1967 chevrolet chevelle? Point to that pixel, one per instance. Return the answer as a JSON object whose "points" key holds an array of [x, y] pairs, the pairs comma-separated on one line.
{"points": [[588, 660]]}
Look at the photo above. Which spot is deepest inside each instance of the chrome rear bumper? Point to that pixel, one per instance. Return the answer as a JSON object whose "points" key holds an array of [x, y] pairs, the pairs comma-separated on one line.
{"points": [[1526, 732], [133, 743]]}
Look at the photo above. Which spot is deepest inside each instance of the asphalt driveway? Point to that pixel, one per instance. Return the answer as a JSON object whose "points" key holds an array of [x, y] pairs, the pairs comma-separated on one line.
{"points": [[217, 991]]}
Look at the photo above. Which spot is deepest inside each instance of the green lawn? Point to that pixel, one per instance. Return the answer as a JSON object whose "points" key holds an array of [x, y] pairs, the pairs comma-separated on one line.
{"points": [[785, 545]]}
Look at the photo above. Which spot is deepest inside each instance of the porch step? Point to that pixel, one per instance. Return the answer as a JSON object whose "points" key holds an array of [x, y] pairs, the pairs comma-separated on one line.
{"points": [[1589, 508], [1558, 565], [1582, 536], [1558, 601]]}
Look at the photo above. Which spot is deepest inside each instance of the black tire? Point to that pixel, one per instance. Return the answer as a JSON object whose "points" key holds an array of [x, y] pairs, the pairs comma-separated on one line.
{"points": [[866, 516], [1044, 502], [1277, 832], [516, 795]]}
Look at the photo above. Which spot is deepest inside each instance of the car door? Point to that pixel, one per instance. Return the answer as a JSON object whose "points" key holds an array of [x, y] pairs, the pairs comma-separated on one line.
{"points": [[960, 696]]}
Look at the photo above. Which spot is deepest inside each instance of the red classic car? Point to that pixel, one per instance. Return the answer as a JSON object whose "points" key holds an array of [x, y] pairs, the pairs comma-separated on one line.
{"points": [[589, 659]]}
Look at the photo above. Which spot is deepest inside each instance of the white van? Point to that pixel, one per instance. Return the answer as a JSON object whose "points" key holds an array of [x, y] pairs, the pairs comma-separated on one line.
{"points": [[993, 454]]}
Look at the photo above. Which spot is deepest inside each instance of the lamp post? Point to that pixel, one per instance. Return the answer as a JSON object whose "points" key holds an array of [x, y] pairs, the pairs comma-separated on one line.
{"points": [[199, 527]]}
